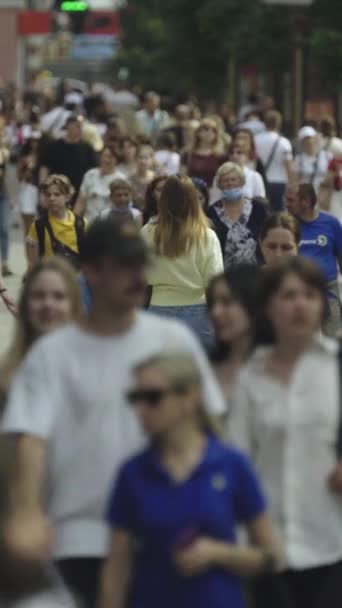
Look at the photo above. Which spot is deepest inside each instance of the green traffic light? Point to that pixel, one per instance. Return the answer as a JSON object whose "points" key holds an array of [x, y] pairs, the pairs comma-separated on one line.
{"points": [[74, 7]]}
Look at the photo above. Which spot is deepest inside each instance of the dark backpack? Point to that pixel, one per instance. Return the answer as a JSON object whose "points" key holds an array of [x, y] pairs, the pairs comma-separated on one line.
{"points": [[59, 248]]}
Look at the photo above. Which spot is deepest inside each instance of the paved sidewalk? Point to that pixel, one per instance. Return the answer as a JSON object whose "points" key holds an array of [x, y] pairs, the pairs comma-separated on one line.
{"points": [[13, 284]]}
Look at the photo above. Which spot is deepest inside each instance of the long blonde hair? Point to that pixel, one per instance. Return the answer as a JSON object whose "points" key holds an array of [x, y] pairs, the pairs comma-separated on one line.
{"points": [[182, 371], [219, 146], [25, 335], [182, 222]]}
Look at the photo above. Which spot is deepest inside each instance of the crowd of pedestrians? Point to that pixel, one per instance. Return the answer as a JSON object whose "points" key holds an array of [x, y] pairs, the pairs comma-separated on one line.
{"points": [[171, 402]]}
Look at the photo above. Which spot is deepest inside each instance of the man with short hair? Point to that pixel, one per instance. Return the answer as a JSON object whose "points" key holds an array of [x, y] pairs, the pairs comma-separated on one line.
{"points": [[69, 412], [151, 119], [275, 153], [70, 156], [321, 240]]}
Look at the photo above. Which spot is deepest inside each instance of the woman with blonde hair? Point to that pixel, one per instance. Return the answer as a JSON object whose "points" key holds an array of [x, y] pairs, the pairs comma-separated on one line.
{"points": [[186, 255], [207, 153], [182, 499], [49, 298], [236, 220]]}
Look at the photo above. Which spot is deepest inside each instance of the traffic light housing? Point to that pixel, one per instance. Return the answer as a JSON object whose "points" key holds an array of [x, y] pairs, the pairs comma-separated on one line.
{"points": [[76, 10]]}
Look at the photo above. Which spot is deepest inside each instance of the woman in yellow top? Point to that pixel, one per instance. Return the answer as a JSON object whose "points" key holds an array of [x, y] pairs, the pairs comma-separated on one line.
{"points": [[58, 231], [186, 254]]}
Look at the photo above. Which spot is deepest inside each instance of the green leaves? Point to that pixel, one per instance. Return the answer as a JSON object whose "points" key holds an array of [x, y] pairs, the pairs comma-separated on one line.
{"points": [[184, 45]]}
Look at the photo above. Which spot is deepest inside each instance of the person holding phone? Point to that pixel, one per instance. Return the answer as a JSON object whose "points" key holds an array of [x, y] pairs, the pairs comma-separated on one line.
{"points": [[175, 508]]}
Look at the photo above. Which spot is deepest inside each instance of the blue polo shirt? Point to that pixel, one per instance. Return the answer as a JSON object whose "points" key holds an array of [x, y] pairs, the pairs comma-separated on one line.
{"points": [[321, 240], [163, 516]]}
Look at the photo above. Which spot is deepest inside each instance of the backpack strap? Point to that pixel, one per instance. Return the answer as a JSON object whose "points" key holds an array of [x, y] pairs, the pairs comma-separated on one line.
{"points": [[80, 230], [40, 229], [272, 154], [339, 428]]}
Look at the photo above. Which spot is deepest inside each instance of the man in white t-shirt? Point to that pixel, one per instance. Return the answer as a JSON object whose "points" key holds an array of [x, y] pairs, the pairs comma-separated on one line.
{"points": [[68, 410], [275, 152]]}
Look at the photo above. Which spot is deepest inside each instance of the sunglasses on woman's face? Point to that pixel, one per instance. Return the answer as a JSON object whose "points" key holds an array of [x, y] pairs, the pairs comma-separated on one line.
{"points": [[149, 396], [208, 128]]}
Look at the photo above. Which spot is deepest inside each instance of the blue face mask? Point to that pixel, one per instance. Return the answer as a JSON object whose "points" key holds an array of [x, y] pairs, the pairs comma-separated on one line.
{"points": [[234, 194]]}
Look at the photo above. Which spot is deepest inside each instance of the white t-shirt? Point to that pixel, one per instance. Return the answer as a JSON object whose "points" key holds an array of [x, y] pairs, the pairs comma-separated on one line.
{"points": [[254, 186], [264, 142], [70, 391], [168, 162], [95, 190], [312, 169]]}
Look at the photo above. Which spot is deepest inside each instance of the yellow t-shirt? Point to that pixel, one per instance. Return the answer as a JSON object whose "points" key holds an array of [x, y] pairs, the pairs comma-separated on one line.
{"points": [[64, 231]]}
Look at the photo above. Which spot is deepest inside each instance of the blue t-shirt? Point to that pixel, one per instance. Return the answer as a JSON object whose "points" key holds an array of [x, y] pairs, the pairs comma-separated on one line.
{"points": [[163, 515], [321, 240]]}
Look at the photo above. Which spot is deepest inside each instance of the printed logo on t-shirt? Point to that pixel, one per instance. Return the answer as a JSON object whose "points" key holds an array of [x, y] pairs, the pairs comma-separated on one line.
{"points": [[219, 482], [321, 241]]}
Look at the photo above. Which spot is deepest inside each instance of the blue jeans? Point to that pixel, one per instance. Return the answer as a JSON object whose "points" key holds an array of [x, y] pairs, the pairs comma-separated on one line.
{"points": [[4, 228], [195, 317], [276, 193]]}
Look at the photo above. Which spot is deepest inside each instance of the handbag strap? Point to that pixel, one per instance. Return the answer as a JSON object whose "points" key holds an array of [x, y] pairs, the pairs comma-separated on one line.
{"points": [[272, 153], [339, 428]]}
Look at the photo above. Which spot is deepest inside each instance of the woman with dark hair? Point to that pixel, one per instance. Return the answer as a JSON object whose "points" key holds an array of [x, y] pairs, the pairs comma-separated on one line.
{"points": [[279, 238], [152, 198], [244, 140], [231, 299], [202, 192], [286, 416], [183, 498], [186, 255]]}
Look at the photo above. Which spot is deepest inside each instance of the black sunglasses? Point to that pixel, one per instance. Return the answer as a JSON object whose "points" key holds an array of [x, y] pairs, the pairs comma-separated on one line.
{"points": [[150, 396]]}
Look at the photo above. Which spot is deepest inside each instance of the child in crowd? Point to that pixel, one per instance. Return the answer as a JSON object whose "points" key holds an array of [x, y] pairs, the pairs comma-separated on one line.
{"points": [[144, 174], [58, 231], [121, 208]]}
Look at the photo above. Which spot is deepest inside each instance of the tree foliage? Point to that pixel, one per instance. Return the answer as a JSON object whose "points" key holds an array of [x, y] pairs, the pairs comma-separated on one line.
{"points": [[185, 45]]}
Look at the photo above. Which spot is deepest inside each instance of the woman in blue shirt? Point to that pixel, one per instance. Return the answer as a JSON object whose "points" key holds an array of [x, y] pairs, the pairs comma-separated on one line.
{"points": [[176, 507]]}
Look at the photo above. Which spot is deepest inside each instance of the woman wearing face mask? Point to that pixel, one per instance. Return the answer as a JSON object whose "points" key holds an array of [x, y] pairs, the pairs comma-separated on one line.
{"points": [[182, 500], [231, 305], [286, 416], [236, 220], [50, 297], [279, 238]]}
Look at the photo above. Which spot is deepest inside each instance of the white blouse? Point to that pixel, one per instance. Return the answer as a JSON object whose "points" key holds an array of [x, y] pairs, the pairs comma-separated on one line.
{"points": [[95, 190], [290, 432]]}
